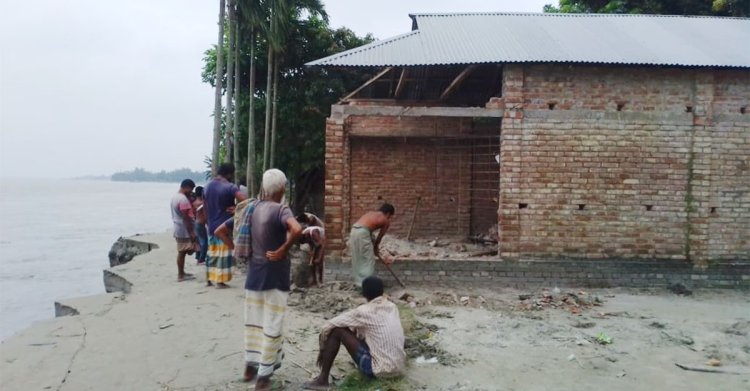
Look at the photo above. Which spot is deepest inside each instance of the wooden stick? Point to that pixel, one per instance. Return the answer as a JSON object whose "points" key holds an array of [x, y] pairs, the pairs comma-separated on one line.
{"points": [[300, 365], [413, 217], [391, 270], [709, 370]]}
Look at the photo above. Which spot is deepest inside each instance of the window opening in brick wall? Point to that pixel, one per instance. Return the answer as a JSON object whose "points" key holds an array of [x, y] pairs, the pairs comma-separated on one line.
{"points": [[581, 206], [742, 109], [688, 109], [523, 206], [620, 106], [551, 105], [713, 209], [649, 207]]}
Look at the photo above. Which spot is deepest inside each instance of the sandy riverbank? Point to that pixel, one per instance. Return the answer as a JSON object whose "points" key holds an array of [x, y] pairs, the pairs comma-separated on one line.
{"points": [[165, 335]]}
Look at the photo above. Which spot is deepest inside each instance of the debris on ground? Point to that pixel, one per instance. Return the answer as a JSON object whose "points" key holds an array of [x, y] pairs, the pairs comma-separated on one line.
{"points": [[330, 299], [421, 342], [603, 339], [680, 339], [438, 248], [739, 328], [569, 301], [679, 289]]}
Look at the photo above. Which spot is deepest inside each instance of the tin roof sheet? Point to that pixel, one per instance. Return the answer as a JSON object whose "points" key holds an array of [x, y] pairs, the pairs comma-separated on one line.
{"points": [[472, 38]]}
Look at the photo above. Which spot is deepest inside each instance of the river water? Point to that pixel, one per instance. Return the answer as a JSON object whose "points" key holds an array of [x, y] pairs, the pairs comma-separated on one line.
{"points": [[55, 236]]}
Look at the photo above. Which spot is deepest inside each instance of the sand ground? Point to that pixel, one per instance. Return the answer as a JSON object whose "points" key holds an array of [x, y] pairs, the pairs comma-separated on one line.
{"points": [[165, 335]]}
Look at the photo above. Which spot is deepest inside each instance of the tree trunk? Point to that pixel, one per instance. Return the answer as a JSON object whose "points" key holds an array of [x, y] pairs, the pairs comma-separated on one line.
{"points": [[275, 107], [217, 96], [229, 131], [267, 127], [251, 121], [236, 127]]}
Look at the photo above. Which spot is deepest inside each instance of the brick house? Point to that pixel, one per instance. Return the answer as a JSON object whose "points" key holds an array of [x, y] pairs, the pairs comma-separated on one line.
{"points": [[622, 137]]}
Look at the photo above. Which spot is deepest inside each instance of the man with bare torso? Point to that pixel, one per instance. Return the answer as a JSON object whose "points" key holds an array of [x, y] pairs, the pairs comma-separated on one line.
{"points": [[365, 250]]}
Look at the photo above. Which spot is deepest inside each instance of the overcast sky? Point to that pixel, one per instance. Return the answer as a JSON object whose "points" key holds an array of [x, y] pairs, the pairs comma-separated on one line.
{"points": [[91, 87]]}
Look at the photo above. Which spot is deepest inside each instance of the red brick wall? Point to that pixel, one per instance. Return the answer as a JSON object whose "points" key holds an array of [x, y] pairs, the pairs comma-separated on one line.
{"points": [[398, 171], [631, 162], [616, 165]]}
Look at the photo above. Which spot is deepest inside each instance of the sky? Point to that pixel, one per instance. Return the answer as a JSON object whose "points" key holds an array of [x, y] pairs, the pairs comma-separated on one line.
{"points": [[92, 87]]}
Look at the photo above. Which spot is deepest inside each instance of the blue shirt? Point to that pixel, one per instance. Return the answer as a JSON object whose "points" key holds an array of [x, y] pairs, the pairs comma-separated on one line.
{"points": [[218, 196]]}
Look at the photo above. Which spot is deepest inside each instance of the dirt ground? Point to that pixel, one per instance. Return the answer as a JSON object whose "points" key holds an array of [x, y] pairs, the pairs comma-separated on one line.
{"points": [[165, 335], [549, 339]]}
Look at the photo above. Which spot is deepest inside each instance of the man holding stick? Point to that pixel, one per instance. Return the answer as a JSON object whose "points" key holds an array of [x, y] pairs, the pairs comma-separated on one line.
{"points": [[364, 249]]}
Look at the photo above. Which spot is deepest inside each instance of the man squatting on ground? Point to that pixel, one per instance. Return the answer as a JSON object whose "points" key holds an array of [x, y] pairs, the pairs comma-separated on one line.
{"points": [[273, 230], [182, 219], [314, 235], [371, 333], [364, 249], [219, 196]]}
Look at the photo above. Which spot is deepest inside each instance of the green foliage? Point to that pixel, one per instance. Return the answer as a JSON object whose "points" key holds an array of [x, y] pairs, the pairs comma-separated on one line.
{"points": [[740, 8], [305, 94], [358, 382], [141, 175]]}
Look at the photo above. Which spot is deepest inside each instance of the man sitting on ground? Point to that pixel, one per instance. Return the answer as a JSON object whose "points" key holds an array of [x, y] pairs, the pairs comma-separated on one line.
{"points": [[371, 333], [363, 248]]}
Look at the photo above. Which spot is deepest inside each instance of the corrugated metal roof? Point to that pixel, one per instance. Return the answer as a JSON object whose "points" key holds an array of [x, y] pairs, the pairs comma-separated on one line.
{"points": [[471, 38]]}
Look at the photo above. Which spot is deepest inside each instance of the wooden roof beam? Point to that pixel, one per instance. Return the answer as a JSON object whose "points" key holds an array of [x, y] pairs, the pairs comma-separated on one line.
{"points": [[363, 86], [400, 85], [457, 81]]}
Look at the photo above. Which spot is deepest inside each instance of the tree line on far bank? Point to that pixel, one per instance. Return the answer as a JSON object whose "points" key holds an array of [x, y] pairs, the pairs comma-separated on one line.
{"points": [[174, 176]]}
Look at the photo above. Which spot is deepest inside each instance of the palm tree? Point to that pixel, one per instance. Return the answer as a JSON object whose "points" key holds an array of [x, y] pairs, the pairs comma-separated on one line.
{"points": [[235, 128], [283, 13], [219, 86], [252, 12], [229, 131]]}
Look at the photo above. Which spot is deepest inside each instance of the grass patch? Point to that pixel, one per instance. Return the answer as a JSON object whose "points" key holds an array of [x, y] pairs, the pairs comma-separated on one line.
{"points": [[357, 382]]}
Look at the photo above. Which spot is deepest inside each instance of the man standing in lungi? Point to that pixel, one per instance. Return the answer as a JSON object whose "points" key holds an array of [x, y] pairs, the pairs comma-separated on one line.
{"points": [[363, 248], [219, 196], [182, 219], [273, 230]]}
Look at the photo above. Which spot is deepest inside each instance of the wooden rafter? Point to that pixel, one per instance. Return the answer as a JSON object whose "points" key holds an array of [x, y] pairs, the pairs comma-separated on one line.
{"points": [[363, 86], [400, 85], [457, 81]]}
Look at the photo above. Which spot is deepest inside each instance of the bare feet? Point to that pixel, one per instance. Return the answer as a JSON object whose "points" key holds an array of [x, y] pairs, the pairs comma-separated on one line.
{"points": [[250, 373], [263, 384], [185, 277], [222, 285], [316, 384]]}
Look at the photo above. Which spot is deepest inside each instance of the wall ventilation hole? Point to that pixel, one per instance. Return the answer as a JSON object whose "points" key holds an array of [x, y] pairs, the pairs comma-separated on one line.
{"points": [[713, 209], [688, 109], [620, 106], [452, 199], [743, 109], [523, 206], [380, 197], [551, 105], [649, 207], [581, 206]]}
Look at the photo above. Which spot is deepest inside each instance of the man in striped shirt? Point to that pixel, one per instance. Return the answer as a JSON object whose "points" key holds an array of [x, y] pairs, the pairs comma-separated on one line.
{"points": [[371, 333]]}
